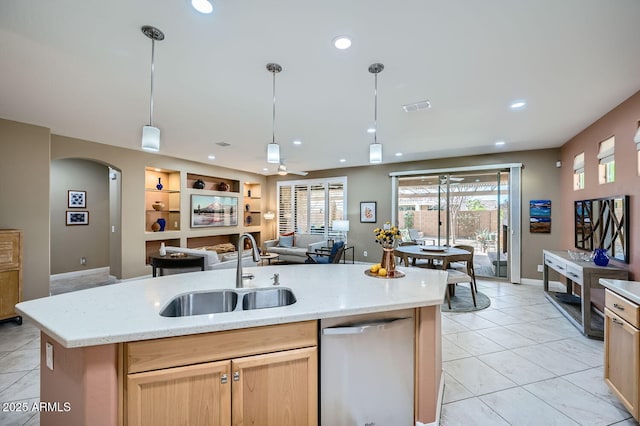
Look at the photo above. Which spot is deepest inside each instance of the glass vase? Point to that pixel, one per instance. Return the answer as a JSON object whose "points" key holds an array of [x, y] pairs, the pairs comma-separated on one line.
{"points": [[388, 261]]}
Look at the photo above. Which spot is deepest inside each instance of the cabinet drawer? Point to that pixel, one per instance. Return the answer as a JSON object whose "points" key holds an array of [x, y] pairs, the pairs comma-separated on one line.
{"points": [[555, 263], [155, 354], [574, 274], [624, 308]]}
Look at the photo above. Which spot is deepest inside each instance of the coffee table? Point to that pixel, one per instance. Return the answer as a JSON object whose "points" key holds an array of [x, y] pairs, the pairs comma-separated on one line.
{"points": [[268, 257], [173, 262]]}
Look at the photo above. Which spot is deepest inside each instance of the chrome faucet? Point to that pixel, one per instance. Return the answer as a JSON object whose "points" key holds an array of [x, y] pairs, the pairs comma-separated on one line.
{"points": [[255, 254]]}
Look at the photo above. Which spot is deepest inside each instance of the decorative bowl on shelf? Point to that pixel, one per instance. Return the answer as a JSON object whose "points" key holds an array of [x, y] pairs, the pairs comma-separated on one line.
{"points": [[223, 186], [198, 184], [158, 205]]}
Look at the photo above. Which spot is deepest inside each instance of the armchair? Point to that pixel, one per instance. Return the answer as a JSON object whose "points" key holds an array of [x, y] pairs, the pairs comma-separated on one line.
{"points": [[326, 257]]}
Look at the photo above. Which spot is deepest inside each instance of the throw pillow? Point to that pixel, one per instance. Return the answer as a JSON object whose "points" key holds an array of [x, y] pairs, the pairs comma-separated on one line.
{"points": [[286, 240], [404, 235]]}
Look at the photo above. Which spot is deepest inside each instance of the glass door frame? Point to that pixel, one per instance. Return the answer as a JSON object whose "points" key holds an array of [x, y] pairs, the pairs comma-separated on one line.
{"points": [[515, 202]]}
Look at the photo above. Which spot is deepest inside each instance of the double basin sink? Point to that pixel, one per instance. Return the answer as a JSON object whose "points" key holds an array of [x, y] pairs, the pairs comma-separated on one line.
{"points": [[218, 301]]}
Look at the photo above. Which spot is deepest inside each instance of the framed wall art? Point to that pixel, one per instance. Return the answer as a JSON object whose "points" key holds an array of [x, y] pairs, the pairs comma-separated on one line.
{"points": [[76, 199], [367, 211], [75, 217], [540, 216], [213, 210]]}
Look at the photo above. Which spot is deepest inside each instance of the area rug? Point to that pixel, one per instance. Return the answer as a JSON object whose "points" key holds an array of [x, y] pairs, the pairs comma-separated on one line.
{"points": [[462, 301]]}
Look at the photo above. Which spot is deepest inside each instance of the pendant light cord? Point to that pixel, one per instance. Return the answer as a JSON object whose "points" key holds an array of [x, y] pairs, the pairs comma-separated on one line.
{"points": [[375, 110], [273, 124], [153, 45]]}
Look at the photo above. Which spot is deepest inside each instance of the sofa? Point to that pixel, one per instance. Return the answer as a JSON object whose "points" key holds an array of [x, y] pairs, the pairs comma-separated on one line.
{"points": [[213, 260], [294, 250]]}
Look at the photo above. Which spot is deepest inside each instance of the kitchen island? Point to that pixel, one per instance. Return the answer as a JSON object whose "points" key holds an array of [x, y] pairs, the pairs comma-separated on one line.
{"points": [[108, 343]]}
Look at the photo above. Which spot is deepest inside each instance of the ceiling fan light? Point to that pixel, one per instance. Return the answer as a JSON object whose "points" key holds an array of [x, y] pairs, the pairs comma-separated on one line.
{"points": [[273, 153], [375, 153], [151, 138]]}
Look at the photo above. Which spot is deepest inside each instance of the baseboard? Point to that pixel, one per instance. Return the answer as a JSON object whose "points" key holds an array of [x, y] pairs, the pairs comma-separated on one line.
{"points": [[89, 275]]}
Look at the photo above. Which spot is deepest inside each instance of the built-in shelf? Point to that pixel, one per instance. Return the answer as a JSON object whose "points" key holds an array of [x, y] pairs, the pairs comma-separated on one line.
{"points": [[168, 196], [252, 206]]}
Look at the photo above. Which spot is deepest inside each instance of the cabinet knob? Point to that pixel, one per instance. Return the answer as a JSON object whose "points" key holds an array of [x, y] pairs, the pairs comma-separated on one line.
{"points": [[615, 305], [236, 376], [223, 379]]}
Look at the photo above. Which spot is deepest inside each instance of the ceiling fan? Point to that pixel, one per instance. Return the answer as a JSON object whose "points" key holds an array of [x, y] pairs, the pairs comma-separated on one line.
{"points": [[282, 170]]}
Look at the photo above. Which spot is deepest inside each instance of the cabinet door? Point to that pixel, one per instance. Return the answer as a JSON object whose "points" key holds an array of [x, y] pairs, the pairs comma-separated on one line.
{"points": [[192, 395], [277, 389], [9, 293], [9, 250], [622, 360]]}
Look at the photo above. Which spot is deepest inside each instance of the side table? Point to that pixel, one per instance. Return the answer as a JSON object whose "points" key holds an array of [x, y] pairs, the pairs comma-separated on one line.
{"points": [[174, 262], [268, 257]]}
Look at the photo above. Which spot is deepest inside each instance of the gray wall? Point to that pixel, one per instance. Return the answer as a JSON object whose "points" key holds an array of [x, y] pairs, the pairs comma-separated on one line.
{"points": [[70, 243], [540, 179], [24, 198]]}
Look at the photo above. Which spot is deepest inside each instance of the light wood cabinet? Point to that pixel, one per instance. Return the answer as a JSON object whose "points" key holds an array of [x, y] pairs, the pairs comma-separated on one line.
{"points": [[10, 273], [276, 389], [256, 376], [622, 350], [192, 395]]}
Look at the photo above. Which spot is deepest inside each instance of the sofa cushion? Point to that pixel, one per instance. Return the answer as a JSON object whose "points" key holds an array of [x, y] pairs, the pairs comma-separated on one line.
{"points": [[304, 240], [234, 256], [211, 257], [286, 240], [290, 251]]}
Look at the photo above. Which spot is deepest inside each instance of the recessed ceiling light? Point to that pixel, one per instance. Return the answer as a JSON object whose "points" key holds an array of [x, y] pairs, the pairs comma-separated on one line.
{"points": [[343, 160], [500, 143], [211, 157], [202, 6], [342, 42], [518, 105], [265, 170], [398, 154], [297, 142], [371, 130], [157, 170], [417, 106]]}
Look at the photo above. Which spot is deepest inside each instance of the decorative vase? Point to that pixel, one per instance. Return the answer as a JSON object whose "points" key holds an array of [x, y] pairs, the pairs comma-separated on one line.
{"points": [[249, 219], [163, 250], [158, 205], [249, 193], [162, 222], [199, 184], [600, 257], [159, 186], [223, 186], [388, 261], [155, 226], [247, 207]]}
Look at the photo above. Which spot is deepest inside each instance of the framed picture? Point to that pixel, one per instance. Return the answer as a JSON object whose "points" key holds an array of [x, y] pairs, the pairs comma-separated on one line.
{"points": [[213, 210], [367, 211], [76, 199], [540, 216], [77, 218]]}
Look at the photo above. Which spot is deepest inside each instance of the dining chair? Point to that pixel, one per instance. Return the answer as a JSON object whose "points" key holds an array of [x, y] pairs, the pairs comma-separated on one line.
{"points": [[326, 256], [455, 277], [466, 265]]}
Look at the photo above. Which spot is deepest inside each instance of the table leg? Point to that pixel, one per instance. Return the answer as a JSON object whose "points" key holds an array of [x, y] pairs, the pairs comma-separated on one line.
{"points": [[153, 271]]}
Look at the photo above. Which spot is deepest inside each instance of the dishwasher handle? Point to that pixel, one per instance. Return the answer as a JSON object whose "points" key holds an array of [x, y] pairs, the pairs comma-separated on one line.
{"points": [[364, 327]]}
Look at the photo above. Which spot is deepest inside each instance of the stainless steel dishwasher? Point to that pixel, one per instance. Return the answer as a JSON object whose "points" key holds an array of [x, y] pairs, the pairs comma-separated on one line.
{"points": [[367, 369]]}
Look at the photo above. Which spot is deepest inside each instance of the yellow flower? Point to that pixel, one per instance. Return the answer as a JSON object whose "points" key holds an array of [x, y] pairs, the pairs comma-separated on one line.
{"points": [[387, 235]]}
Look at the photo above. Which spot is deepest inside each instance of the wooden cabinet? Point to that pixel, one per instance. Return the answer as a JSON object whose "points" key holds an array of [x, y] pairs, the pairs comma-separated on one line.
{"points": [[622, 350], [10, 273], [192, 395], [256, 376]]}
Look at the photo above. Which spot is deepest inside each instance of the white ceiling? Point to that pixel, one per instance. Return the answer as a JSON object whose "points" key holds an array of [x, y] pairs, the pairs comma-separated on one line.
{"points": [[82, 68]]}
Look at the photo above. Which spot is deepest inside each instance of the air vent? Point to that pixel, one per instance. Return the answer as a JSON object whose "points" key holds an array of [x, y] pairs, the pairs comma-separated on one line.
{"points": [[223, 144], [417, 106]]}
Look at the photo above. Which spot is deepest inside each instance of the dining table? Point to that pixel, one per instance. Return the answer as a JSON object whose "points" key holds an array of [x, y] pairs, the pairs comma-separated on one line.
{"points": [[444, 254]]}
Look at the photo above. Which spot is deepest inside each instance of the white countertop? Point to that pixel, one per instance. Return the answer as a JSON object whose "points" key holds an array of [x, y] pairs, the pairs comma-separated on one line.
{"points": [[129, 311], [627, 289]]}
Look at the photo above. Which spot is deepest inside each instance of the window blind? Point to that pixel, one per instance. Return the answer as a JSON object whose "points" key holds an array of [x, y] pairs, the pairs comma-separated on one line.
{"points": [[606, 151], [578, 163]]}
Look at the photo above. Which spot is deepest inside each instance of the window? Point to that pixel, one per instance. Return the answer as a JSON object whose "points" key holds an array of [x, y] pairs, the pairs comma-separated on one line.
{"points": [[607, 166], [311, 206], [578, 172]]}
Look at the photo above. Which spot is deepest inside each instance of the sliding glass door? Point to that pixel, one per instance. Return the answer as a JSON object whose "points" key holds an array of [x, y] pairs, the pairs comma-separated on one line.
{"points": [[460, 208]]}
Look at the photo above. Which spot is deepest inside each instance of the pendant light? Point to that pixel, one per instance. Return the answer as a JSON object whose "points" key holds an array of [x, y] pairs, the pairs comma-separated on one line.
{"points": [[150, 134], [273, 149], [375, 149]]}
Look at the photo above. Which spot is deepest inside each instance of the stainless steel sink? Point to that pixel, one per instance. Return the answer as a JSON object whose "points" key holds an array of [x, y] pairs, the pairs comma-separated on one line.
{"points": [[268, 298], [209, 302]]}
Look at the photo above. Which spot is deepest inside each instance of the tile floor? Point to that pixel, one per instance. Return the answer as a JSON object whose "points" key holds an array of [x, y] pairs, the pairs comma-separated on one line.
{"points": [[518, 362]]}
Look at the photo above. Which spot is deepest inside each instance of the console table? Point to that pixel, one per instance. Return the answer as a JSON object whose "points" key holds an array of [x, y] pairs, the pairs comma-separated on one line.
{"points": [[585, 274], [169, 262]]}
